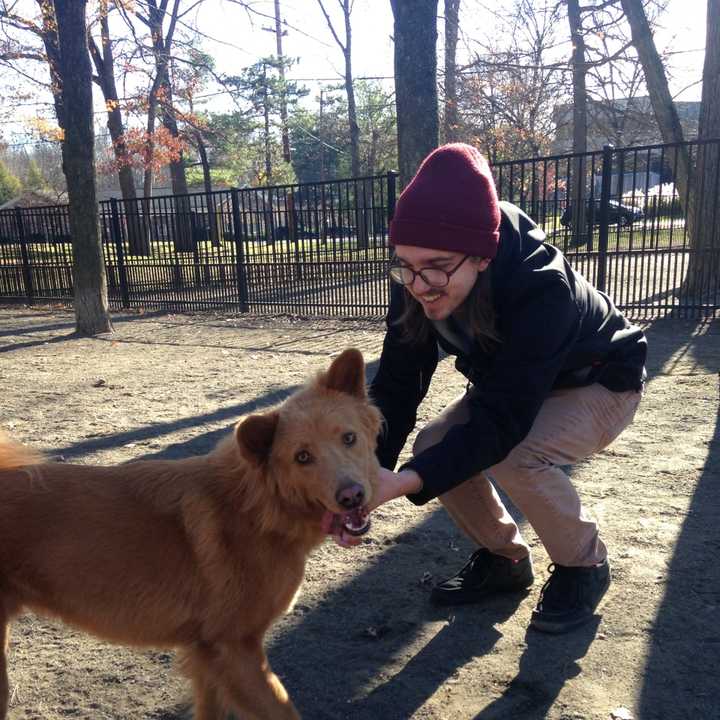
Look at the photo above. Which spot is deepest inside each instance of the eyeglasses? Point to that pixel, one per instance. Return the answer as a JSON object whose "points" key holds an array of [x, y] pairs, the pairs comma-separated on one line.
{"points": [[434, 277]]}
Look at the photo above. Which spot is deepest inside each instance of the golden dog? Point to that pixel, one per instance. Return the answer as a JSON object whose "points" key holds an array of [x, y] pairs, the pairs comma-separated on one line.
{"points": [[201, 554]]}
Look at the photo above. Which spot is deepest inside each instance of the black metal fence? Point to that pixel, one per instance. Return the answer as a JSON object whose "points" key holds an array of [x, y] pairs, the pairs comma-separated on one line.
{"points": [[626, 219], [318, 248], [650, 242]]}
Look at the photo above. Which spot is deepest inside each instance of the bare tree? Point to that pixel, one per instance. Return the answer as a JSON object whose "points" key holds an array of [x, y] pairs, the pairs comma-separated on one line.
{"points": [[613, 79], [416, 98], [663, 106], [346, 47], [104, 61], [506, 95], [161, 92], [74, 74], [450, 116]]}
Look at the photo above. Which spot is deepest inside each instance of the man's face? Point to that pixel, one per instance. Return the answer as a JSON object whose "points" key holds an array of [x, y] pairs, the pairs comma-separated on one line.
{"points": [[440, 302]]}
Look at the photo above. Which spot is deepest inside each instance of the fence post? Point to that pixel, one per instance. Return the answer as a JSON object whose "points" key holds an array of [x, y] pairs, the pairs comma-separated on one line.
{"points": [[391, 194], [116, 233], [605, 186], [239, 252], [27, 274]]}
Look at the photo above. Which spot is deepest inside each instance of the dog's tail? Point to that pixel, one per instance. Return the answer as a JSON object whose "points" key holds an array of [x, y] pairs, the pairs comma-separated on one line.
{"points": [[14, 455]]}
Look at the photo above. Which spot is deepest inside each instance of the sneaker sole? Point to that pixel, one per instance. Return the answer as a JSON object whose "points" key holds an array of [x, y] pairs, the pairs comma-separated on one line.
{"points": [[442, 600], [558, 628]]}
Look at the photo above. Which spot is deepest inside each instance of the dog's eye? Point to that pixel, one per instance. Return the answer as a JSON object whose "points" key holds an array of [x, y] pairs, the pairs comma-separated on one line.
{"points": [[303, 457], [349, 438]]}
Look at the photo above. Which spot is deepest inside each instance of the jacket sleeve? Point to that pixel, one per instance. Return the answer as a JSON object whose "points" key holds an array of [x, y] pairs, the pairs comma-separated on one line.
{"points": [[401, 382], [538, 331]]}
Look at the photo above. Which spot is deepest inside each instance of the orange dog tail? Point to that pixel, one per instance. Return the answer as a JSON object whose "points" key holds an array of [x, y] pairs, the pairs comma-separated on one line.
{"points": [[14, 455]]}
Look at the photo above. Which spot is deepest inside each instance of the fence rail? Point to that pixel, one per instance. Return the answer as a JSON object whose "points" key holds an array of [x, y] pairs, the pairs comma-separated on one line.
{"points": [[321, 248]]}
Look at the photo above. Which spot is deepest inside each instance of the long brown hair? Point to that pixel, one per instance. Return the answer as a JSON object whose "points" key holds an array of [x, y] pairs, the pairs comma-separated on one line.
{"points": [[476, 313]]}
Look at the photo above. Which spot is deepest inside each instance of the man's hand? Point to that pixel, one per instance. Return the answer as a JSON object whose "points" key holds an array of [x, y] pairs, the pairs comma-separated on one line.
{"points": [[392, 485], [389, 486]]}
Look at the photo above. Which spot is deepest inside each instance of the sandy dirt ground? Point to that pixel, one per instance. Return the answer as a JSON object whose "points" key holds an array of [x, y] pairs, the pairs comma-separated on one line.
{"points": [[363, 641]]}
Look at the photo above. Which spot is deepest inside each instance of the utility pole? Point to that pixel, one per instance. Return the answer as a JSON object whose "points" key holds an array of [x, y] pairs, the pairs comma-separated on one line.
{"points": [[320, 137], [283, 101]]}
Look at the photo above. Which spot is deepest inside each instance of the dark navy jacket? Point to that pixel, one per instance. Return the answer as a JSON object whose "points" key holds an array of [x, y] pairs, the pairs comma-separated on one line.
{"points": [[555, 329]]}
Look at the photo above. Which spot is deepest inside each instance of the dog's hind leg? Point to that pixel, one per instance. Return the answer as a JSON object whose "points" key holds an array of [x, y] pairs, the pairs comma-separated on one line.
{"points": [[206, 704], [249, 683]]}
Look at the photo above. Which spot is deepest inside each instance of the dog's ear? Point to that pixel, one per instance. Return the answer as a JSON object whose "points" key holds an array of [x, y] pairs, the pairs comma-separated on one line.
{"points": [[346, 374], [255, 436]]}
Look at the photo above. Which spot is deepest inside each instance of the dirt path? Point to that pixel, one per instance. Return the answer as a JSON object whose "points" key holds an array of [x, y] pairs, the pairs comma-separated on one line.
{"points": [[363, 641]]}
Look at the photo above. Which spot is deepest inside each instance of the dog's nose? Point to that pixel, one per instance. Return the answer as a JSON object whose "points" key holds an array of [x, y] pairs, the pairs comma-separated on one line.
{"points": [[350, 496]]}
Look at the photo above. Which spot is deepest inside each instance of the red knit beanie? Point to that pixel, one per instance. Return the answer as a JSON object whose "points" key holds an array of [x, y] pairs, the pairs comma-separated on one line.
{"points": [[450, 204]]}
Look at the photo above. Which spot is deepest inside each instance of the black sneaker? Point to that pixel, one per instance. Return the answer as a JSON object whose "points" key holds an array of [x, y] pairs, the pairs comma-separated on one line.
{"points": [[484, 574], [570, 597]]}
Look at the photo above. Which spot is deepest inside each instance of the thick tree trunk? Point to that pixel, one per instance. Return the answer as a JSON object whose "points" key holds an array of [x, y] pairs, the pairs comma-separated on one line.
{"points": [[577, 190], [704, 268], [451, 118], [89, 281], [415, 82]]}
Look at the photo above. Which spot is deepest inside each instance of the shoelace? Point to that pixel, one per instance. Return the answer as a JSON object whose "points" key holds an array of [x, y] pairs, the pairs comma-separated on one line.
{"points": [[561, 584]]}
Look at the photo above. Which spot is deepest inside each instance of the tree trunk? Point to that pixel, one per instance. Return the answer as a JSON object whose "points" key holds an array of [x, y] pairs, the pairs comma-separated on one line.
{"points": [[663, 107], [162, 93], [89, 281], [704, 268], [266, 120], [209, 197], [415, 82], [577, 190], [148, 176], [451, 118]]}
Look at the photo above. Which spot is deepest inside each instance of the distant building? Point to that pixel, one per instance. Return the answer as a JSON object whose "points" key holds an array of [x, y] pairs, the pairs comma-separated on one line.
{"points": [[623, 123], [32, 198]]}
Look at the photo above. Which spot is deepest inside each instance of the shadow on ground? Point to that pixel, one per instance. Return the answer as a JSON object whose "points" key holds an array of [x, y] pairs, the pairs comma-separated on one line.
{"points": [[685, 633]]}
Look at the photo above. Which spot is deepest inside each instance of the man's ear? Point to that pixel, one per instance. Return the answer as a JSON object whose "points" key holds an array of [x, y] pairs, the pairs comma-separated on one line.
{"points": [[255, 435], [346, 374]]}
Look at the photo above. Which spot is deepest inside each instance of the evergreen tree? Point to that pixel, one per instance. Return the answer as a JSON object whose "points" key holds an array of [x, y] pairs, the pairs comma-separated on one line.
{"points": [[34, 180], [9, 184]]}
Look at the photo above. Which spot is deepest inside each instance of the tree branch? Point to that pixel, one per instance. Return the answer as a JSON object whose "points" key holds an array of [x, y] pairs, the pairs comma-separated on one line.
{"points": [[330, 25]]}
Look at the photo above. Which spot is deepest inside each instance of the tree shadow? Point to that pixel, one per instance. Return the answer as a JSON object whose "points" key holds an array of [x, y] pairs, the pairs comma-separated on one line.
{"points": [[356, 664], [33, 329], [684, 640], [546, 664], [198, 445]]}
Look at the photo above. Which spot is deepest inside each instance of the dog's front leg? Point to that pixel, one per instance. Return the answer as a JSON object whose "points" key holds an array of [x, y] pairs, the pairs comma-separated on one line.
{"points": [[249, 684], [207, 705], [4, 684]]}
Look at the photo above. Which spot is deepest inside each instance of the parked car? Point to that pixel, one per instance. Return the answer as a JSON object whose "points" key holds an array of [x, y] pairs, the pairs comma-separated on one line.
{"points": [[618, 214]]}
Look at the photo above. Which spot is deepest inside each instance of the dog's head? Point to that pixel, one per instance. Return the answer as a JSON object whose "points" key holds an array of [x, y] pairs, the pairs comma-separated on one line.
{"points": [[318, 447]]}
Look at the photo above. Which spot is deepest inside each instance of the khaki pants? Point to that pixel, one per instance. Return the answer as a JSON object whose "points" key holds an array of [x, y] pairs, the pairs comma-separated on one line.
{"points": [[572, 424]]}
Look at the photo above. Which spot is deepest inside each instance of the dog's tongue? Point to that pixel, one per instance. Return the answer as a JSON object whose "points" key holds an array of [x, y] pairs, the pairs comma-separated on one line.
{"points": [[355, 522]]}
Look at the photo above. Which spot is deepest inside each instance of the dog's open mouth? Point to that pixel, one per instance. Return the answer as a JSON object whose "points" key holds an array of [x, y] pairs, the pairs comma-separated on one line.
{"points": [[355, 522]]}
